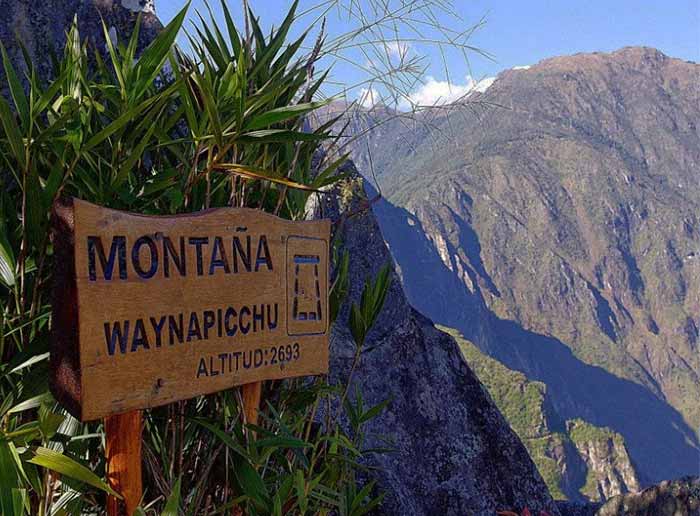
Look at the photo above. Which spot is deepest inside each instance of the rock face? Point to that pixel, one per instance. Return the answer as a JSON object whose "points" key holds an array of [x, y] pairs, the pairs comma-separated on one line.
{"points": [[41, 25], [577, 460], [559, 231], [455, 453], [610, 470], [677, 498]]}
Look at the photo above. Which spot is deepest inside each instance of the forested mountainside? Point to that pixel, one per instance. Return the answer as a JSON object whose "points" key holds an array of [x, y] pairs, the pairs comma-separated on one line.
{"points": [[578, 461], [555, 222]]}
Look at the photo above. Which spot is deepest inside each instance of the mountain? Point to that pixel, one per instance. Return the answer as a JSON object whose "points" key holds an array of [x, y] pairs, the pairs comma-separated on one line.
{"points": [[446, 437], [554, 221], [577, 460], [42, 26], [450, 449], [680, 496]]}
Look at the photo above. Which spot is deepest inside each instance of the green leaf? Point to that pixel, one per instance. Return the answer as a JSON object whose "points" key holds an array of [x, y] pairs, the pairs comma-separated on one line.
{"points": [[374, 411], [134, 39], [156, 54], [223, 437], [328, 176], [128, 116], [339, 288], [357, 325], [134, 157], [64, 465], [172, 506], [116, 63], [300, 486], [49, 422], [7, 258], [282, 442], [9, 478], [16, 89], [31, 403], [12, 133], [281, 114], [251, 482], [34, 225], [278, 136], [231, 27], [270, 51], [20, 501]]}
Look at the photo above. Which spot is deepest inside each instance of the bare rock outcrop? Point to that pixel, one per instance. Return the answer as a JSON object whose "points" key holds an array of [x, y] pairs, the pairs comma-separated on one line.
{"points": [[677, 498], [454, 451], [41, 26]]}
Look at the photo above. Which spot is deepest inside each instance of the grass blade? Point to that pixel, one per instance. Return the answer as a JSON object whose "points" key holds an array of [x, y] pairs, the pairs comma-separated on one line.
{"points": [[64, 465]]}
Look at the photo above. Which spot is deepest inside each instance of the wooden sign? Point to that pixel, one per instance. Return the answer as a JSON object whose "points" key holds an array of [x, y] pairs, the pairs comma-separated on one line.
{"points": [[149, 310]]}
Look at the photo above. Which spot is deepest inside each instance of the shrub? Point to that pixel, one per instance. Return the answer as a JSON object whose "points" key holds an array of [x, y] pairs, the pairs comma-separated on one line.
{"points": [[159, 133]]}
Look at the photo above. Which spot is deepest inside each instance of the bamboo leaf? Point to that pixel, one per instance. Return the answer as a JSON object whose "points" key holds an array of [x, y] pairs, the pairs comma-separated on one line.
{"points": [[277, 115], [278, 136], [231, 27], [156, 54], [64, 465], [173, 504], [223, 437], [136, 155], [16, 89], [12, 132], [262, 176], [36, 214], [116, 63], [31, 403], [30, 361], [282, 442], [125, 118], [7, 258]]}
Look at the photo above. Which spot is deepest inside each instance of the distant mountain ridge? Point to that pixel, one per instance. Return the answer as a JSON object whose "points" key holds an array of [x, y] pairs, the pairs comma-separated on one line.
{"points": [[557, 226]]}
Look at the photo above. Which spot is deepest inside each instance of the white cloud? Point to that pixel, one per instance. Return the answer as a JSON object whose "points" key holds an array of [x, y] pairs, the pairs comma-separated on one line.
{"points": [[397, 49], [438, 93], [524, 67], [368, 97], [484, 84]]}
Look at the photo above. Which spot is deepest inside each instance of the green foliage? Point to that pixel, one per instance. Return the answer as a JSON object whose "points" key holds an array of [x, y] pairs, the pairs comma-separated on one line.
{"points": [[223, 127], [549, 442], [363, 317]]}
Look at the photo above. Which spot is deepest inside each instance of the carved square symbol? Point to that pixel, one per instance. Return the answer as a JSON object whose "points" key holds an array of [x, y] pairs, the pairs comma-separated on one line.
{"points": [[307, 286]]}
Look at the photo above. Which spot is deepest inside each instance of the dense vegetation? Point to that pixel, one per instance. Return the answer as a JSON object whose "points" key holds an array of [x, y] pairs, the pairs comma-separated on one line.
{"points": [[574, 457], [162, 132]]}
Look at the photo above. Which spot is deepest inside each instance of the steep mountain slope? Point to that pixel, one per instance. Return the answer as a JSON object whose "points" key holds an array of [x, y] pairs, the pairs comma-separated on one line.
{"points": [[559, 231], [577, 460], [452, 451]]}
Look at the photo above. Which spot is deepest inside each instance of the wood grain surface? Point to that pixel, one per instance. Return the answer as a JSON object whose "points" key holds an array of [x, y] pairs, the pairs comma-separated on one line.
{"points": [[172, 307], [123, 454]]}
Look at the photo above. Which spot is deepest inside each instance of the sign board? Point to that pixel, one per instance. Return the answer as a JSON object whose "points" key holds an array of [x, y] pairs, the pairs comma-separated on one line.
{"points": [[149, 310]]}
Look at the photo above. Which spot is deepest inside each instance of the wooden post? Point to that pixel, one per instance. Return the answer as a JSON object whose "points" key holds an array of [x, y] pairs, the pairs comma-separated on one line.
{"points": [[251, 394], [123, 451]]}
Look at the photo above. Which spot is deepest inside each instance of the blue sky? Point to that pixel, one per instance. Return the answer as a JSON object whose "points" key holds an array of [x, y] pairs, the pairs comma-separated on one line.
{"points": [[515, 33]]}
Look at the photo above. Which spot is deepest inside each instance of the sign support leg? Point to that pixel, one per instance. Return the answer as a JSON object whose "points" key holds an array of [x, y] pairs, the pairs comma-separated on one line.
{"points": [[123, 451], [251, 394]]}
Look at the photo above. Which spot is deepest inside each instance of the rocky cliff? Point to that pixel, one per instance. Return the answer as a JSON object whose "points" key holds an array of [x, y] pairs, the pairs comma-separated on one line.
{"points": [[577, 460], [41, 26], [672, 498], [558, 228], [454, 453]]}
